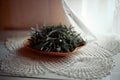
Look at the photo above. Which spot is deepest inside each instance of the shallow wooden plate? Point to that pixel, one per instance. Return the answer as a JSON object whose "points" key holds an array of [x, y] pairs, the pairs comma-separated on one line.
{"points": [[26, 44]]}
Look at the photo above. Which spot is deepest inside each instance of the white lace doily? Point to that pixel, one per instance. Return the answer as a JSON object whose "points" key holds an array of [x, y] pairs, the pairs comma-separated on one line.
{"points": [[92, 61]]}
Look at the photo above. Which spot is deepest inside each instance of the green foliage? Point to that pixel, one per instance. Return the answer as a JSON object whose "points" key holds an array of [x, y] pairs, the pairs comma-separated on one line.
{"points": [[55, 38]]}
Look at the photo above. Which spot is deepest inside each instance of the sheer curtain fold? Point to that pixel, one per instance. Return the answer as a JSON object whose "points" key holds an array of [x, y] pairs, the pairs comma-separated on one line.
{"points": [[94, 17], [116, 23], [79, 26]]}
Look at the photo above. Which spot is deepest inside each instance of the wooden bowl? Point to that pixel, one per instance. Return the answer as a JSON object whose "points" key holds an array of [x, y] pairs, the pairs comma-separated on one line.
{"points": [[26, 44]]}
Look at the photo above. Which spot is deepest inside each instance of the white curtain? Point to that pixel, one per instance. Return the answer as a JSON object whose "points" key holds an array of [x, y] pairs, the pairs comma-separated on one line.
{"points": [[93, 17], [116, 24]]}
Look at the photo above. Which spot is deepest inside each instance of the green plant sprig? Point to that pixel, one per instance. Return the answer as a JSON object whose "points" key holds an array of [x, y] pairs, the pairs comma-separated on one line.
{"points": [[55, 38]]}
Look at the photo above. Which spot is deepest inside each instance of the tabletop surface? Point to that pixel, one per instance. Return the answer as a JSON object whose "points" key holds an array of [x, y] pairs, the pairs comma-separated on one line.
{"points": [[49, 76]]}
